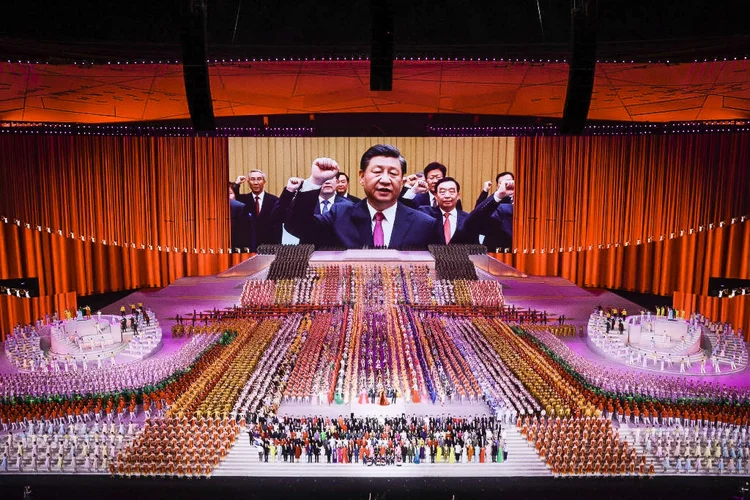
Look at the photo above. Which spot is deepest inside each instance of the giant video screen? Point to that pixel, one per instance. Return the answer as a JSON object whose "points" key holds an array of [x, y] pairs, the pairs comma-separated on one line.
{"points": [[376, 198]]}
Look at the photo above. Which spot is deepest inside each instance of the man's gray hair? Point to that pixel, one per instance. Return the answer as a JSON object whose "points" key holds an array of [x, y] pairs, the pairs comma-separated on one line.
{"points": [[259, 171]]}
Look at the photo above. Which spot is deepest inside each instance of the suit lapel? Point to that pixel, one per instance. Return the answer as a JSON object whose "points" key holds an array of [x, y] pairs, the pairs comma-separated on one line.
{"points": [[267, 206], [401, 226], [461, 218], [361, 221]]}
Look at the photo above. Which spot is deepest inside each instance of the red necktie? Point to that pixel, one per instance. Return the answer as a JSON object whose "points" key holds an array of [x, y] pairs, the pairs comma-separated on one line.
{"points": [[377, 235], [447, 228], [257, 205]]}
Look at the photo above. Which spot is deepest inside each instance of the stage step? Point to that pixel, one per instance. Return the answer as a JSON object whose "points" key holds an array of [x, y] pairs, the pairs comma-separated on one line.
{"points": [[522, 461]]}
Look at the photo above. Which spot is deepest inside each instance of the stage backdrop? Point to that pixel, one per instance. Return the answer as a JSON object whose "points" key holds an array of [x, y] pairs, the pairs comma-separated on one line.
{"points": [[612, 190], [165, 191], [571, 192], [470, 160]]}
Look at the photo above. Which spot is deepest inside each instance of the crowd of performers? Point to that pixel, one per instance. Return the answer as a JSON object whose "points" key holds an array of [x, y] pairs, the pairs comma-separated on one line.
{"points": [[575, 412], [696, 448], [178, 447], [379, 441], [24, 349], [66, 447], [582, 446]]}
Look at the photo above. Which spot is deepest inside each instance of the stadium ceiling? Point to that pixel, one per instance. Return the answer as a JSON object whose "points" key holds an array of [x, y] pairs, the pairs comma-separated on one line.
{"points": [[659, 61], [151, 92]]}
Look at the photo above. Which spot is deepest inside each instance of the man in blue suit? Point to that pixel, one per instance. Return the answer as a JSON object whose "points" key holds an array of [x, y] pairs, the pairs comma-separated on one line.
{"points": [[326, 199], [377, 221], [328, 196], [458, 226]]}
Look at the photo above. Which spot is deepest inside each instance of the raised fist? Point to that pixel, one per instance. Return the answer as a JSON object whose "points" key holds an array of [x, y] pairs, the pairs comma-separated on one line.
{"points": [[420, 187], [324, 169], [294, 183], [487, 186], [411, 180], [240, 179], [506, 188]]}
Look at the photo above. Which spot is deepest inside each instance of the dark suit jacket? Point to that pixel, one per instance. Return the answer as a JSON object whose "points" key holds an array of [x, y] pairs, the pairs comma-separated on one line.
{"points": [[497, 224], [268, 223], [467, 229], [351, 198], [241, 226], [348, 224], [484, 194], [421, 200], [337, 199]]}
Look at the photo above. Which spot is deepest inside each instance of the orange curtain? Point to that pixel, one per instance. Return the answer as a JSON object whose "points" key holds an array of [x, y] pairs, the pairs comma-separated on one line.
{"points": [[168, 191], [585, 191], [17, 311], [158, 191]]}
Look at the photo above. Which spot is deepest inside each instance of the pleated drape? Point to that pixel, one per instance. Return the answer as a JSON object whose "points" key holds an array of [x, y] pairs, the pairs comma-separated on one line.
{"points": [[573, 192], [153, 191], [619, 191]]}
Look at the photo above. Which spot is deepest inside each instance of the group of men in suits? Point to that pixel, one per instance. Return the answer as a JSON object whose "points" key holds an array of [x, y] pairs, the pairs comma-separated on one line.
{"points": [[398, 211]]}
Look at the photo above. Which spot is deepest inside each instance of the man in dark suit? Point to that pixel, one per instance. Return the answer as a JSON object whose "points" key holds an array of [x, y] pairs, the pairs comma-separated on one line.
{"points": [[326, 199], [499, 226], [328, 196], [422, 190], [378, 221], [458, 226], [241, 224], [262, 205], [342, 188]]}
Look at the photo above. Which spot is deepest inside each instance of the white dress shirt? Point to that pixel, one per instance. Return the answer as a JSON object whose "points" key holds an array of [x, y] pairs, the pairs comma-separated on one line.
{"points": [[387, 222]]}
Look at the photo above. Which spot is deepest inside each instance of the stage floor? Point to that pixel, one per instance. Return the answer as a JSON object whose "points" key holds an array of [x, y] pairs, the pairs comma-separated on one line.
{"points": [[555, 295]]}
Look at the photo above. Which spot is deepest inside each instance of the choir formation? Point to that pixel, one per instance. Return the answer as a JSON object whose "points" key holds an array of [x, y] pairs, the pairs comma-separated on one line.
{"points": [[382, 441], [377, 334]]}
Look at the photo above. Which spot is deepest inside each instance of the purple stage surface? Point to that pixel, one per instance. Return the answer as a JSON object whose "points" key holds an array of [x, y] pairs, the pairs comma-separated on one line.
{"points": [[555, 295]]}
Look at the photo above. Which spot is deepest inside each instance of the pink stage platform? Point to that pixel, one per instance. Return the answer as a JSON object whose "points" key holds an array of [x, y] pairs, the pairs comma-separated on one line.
{"points": [[557, 296]]}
